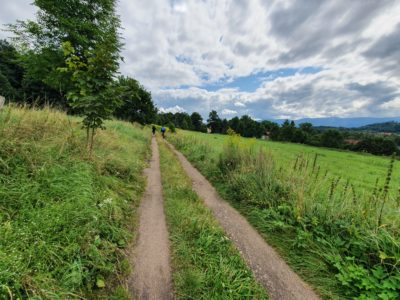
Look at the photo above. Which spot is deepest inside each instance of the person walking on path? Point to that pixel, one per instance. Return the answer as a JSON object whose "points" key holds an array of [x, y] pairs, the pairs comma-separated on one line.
{"points": [[163, 130], [154, 130]]}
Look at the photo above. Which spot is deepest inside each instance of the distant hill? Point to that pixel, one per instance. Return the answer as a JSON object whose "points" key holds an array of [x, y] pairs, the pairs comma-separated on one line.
{"points": [[344, 122], [393, 127]]}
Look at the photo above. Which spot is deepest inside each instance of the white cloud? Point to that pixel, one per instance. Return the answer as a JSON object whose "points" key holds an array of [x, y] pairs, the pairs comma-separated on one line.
{"points": [[173, 109], [226, 111], [11, 11], [393, 104], [180, 7], [239, 104]]}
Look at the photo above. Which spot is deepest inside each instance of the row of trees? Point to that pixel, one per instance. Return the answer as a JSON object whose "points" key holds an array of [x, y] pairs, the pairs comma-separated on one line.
{"points": [[245, 125], [304, 133], [69, 58], [182, 120]]}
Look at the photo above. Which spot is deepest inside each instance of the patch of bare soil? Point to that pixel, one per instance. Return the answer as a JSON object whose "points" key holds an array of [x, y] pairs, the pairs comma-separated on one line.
{"points": [[151, 278]]}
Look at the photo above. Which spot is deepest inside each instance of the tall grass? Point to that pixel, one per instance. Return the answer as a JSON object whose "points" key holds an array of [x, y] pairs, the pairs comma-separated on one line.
{"points": [[206, 265], [343, 240], [65, 219]]}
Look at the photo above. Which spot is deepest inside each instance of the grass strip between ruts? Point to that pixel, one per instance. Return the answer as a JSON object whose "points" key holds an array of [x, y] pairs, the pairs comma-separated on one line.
{"points": [[205, 263]]}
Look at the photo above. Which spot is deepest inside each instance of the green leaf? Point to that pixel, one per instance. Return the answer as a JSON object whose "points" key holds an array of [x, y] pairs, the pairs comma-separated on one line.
{"points": [[100, 283]]}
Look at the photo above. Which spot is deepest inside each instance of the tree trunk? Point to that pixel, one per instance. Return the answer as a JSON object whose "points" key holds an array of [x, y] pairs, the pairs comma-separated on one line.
{"points": [[87, 137], [91, 142]]}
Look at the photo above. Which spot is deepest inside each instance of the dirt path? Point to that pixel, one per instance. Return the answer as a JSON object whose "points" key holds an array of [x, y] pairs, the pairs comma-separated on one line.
{"points": [[268, 267], [151, 278]]}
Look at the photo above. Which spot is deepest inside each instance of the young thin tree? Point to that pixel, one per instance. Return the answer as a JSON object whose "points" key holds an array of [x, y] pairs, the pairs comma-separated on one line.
{"points": [[86, 32], [95, 94]]}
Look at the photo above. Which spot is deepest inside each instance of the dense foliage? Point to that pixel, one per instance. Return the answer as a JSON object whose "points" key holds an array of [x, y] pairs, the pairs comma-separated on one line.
{"points": [[137, 105], [182, 120], [69, 58]]}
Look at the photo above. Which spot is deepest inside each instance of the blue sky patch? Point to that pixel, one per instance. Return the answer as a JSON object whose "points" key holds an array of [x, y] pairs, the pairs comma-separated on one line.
{"points": [[252, 82]]}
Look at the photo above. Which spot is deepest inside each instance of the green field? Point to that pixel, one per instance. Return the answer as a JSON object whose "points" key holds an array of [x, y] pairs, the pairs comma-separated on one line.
{"points": [[324, 215], [362, 169], [65, 218]]}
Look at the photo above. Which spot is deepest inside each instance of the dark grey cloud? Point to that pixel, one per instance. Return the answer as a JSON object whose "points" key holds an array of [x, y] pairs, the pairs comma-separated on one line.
{"points": [[286, 22], [379, 92], [386, 46], [309, 27], [386, 52]]}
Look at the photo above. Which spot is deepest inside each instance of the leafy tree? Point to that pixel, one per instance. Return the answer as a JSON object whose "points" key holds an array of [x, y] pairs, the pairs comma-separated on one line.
{"points": [[94, 93], [287, 131], [163, 118], [87, 26], [182, 120], [377, 145], [42, 82], [299, 136], [249, 127], [197, 121], [307, 127], [272, 128], [171, 127], [234, 124], [137, 104], [11, 71], [224, 126], [81, 23], [6, 89], [214, 122], [332, 138]]}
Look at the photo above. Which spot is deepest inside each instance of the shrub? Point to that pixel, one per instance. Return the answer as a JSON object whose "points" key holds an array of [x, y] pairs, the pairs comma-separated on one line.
{"points": [[171, 127]]}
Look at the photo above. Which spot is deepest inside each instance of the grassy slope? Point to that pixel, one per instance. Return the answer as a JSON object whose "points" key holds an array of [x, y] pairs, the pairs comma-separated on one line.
{"points": [[361, 169], [65, 219], [206, 265], [307, 242]]}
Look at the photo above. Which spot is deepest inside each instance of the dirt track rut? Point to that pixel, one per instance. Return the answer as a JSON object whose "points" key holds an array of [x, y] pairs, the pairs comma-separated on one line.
{"points": [[151, 278], [268, 267]]}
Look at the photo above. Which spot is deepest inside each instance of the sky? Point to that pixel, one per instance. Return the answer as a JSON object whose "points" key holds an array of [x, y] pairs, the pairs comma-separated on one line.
{"points": [[267, 59]]}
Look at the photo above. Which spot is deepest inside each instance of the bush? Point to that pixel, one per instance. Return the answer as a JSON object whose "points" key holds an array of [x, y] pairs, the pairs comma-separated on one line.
{"points": [[171, 127]]}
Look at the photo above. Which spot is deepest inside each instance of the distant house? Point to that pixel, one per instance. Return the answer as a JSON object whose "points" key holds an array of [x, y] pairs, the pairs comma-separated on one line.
{"points": [[266, 136], [352, 141], [387, 133]]}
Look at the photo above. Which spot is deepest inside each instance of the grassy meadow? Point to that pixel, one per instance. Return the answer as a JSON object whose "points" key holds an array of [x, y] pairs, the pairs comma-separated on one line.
{"points": [[326, 214], [205, 263], [65, 219], [361, 169]]}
